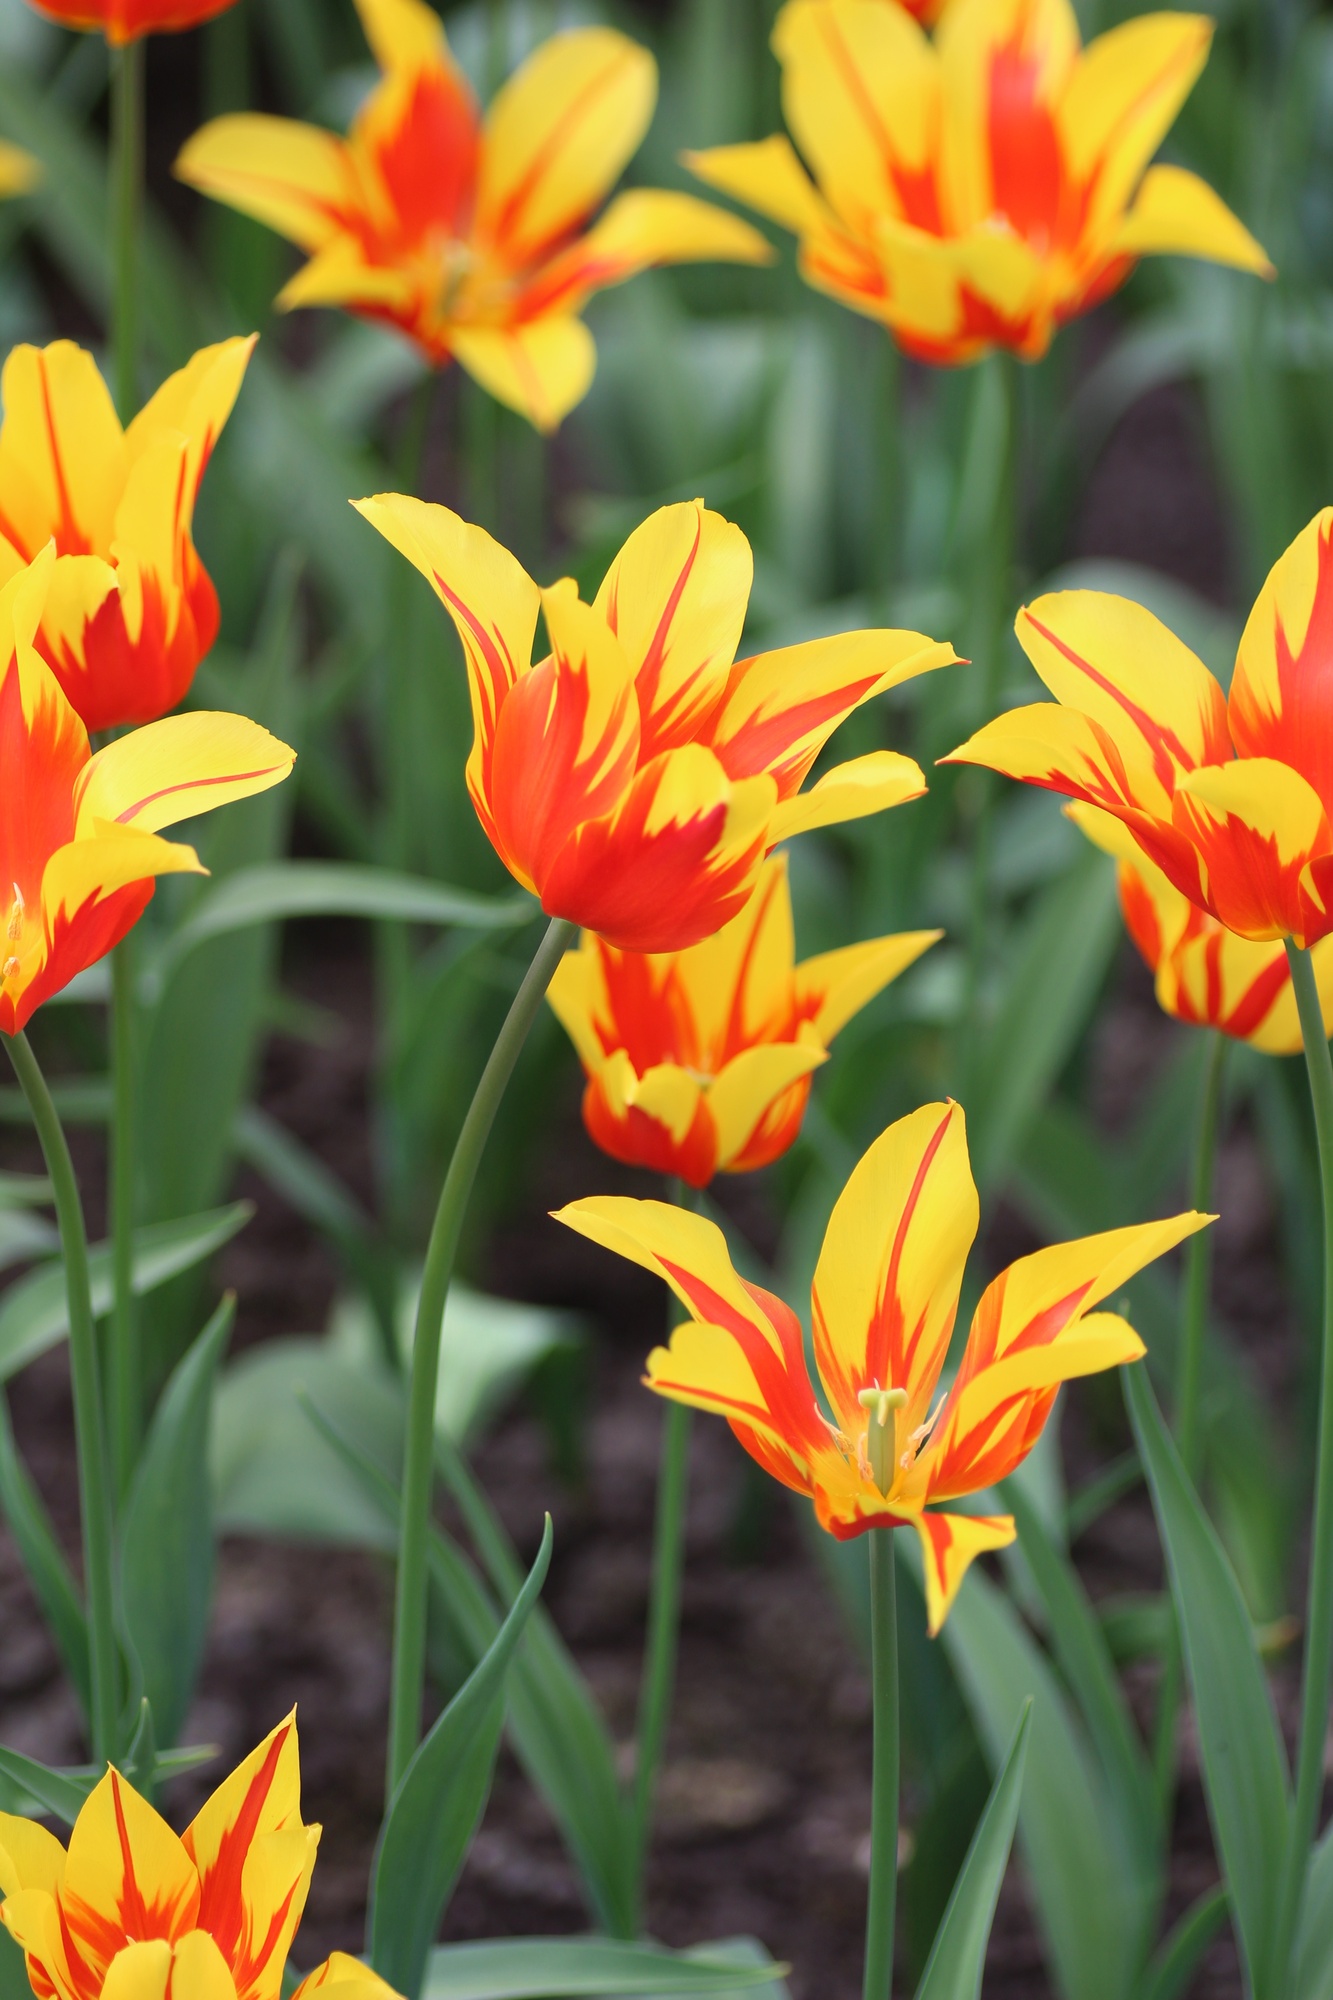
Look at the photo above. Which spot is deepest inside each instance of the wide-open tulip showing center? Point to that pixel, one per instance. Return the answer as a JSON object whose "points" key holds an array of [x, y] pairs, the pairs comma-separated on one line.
{"points": [[1230, 796], [699, 1061], [979, 190], [130, 610], [635, 777], [471, 234], [883, 1449], [79, 834]]}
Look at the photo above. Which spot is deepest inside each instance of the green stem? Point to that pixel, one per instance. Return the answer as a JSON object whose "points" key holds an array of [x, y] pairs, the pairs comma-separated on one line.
{"points": [[409, 1626], [89, 1435], [126, 203], [126, 1363], [1318, 1659], [877, 1982], [1189, 1382], [659, 1664]]}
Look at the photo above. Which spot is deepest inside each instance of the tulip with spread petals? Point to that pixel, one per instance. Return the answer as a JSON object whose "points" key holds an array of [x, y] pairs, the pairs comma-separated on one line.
{"points": [[130, 609], [699, 1061], [1231, 796], [124, 21], [635, 778], [979, 190], [471, 234], [79, 833], [133, 1911], [882, 1311]]}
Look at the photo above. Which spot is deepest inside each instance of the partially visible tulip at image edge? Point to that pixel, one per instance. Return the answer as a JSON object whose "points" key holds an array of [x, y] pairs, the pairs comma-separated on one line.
{"points": [[123, 21]]}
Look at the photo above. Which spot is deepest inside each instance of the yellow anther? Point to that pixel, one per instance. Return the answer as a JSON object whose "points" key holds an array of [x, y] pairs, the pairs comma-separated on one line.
{"points": [[11, 966], [18, 910]]}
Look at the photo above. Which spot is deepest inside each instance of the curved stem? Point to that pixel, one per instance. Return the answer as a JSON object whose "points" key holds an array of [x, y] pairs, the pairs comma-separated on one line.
{"points": [[659, 1663], [409, 1624], [124, 1359], [126, 202], [1318, 1658], [94, 1482], [877, 1982]]}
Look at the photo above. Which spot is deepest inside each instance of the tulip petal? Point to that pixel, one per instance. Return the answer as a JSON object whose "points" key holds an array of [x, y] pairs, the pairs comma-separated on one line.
{"points": [[1122, 100], [950, 1543], [660, 1121], [62, 452], [767, 175], [339, 275], [743, 1094], [1178, 213], [1256, 824], [183, 765], [342, 1977], [865, 785], [258, 1801], [30, 1857], [105, 858], [1281, 702], [540, 368], [834, 986], [1005, 65], [403, 34], [298, 179], [144, 1972], [640, 229], [127, 1874], [736, 985]]}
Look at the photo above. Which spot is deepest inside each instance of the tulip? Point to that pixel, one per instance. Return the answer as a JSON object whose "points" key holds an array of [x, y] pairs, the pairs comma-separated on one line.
{"points": [[1229, 796], [342, 1977], [130, 609], [18, 170], [123, 21], [635, 778], [979, 190], [882, 1311], [699, 1061], [79, 834], [468, 234]]}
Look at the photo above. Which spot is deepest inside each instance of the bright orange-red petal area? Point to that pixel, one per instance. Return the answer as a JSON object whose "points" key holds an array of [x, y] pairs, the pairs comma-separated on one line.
{"points": [[885, 1293], [126, 20]]}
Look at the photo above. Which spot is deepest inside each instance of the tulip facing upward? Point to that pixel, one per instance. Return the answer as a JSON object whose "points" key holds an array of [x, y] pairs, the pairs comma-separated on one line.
{"points": [[130, 610], [699, 1061], [126, 20], [980, 190], [468, 233], [79, 845], [882, 1311], [133, 1911], [1230, 796], [635, 778]]}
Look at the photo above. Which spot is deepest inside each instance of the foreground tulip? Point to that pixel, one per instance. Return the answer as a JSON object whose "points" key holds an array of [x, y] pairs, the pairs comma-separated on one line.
{"points": [[467, 234], [1230, 796], [882, 1310], [79, 845], [982, 190], [635, 778], [130, 610], [124, 21], [699, 1061]]}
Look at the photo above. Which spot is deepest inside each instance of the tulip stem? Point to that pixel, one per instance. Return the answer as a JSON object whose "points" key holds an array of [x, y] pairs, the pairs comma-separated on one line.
{"points": [[126, 204], [659, 1663], [124, 1359], [877, 1982], [409, 1625], [1315, 1671], [89, 1432]]}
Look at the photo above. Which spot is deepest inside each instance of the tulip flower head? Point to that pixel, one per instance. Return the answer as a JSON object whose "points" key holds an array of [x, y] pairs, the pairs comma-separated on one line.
{"points": [[636, 776], [79, 834], [882, 1311], [1231, 796], [130, 609], [133, 1911], [124, 21], [470, 234], [699, 1061], [980, 190]]}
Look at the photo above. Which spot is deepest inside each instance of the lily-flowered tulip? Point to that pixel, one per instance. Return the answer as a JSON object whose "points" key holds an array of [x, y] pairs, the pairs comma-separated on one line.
{"points": [[1230, 796], [979, 190], [133, 1912], [79, 834], [635, 778], [882, 1311], [124, 21], [699, 1061], [130, 609], [469, 233]]}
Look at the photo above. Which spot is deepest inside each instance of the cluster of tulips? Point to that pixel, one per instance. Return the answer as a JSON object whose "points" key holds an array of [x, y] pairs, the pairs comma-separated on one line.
{"points": [[971, 186]]}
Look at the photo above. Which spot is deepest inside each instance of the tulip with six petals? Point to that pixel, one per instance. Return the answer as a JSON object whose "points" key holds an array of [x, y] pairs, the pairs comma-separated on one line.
{"points": [[699, 1061], [980, 190], [882, 1311], [468, 234], [635, 778]]}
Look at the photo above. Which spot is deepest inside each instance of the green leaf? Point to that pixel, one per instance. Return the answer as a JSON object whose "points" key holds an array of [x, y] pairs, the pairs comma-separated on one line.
{"points": [[1244, 1762], [1176, 1959], [54, 1792], [43, 1560], [1313, 1975], [563, 1968], [34, 1313], [14, 1982], [167, 1535], [437, 1807], [958, 1956]]}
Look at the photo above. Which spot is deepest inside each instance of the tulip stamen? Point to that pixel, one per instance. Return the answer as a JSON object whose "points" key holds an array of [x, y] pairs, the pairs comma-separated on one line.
{"points": [[18, 910], [876, 1444]]}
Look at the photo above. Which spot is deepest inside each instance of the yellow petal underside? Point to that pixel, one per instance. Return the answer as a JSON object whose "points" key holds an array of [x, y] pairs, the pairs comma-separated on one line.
{"points": [[577, 998], [950, 1543], [750, 1085], [62, 451], [1122, 100], [1178, 213], [105, 859], [403, 34], [766, 175], [183, 765], [648, 226], [846, 980], [298, 179], [540, 368], [869, 784], [30, 1856], [342, 1977], [195, 402]]}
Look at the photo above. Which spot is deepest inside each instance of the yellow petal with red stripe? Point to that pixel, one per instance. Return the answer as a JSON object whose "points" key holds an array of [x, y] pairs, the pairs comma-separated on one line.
{"points": [[767, 175], [541, 368], [1000, 59], [649, 226], [838, 984], [1063, 751], [737, 984], [342, 1977], [183, 765], [1122, 99], [195, 402], [950, 1543], [298, 179], [1176, 212], [748, 1087], [62, 451], [124, 1859], [339, 275], [105, 858], [1279, 706], [869, 784], [1256, 825]]}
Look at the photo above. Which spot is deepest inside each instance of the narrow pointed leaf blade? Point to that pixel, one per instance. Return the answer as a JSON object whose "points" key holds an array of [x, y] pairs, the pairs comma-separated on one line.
{"points": [[43, 1560], [958, 1955], [564, 1968]]}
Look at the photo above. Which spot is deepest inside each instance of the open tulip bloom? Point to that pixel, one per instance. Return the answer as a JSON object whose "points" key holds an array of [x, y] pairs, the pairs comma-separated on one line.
{"points": [[133, 1912], [124, 21], [636, 776], [979, 190], [699, 1061], [884, 1448], [470, 234]]}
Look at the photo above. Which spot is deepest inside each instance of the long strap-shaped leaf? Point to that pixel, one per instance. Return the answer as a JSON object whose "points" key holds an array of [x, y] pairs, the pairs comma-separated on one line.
{"points": [[565, 1968], [958, 1955]]}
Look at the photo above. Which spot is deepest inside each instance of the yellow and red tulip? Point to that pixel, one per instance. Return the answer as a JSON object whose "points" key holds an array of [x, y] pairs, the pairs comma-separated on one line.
{"points": [[79, 834], [134, 1911], [126, 20], [699, 1061], [471, 234], [979, 190], [635, 778], [1230, 796], [882, 1311], [342, 1977], [130, 609]]}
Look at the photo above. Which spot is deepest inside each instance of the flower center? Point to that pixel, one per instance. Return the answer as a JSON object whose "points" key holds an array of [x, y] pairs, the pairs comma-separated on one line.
{"points": [[880, 1406], [18, 913]]}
